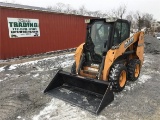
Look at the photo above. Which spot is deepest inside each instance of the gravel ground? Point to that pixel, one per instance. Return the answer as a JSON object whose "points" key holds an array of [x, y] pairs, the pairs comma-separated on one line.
{"points": [[22, 96], [22, 85], [152, 45]]}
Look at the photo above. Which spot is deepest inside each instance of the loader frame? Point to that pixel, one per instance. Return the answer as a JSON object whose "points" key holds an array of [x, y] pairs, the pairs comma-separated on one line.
{"points": [[133, 47], [95, 92]]}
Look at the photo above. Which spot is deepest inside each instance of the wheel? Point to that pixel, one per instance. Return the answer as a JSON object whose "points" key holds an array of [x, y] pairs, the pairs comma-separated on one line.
{"points": [[73, 69], [118, 77], [133, 69]]}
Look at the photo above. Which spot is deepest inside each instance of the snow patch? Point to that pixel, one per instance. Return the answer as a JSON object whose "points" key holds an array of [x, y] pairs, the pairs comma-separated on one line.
{"points": [[143, 79], [19, 117], [85, 99], [40, 69], [36, 75], [147, 60], [130, 87], [47, 111], [158, 72], [59, 110], [46, 59], [13, 67], [119, 95], [101, 117], [1, 69], [1, 80], [65, 64], [65, 91]]}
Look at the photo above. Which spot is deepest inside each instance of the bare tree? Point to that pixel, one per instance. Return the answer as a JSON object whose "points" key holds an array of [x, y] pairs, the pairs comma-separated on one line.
{"points": [[139, 17], [97, 13], [49, 7], [82, 10], [75, 12], [105, 14], [109, 14], [59, 7], [119, 12], [8, 1], [68, 9], [148, 19], [89, 13], [130, 18]]}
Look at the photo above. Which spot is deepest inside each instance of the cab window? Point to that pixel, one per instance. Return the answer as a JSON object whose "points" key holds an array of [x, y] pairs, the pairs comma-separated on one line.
{"points": [[121, 32]]}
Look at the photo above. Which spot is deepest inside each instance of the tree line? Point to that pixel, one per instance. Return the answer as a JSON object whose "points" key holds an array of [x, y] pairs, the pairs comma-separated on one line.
{"points": [[138, 20]]}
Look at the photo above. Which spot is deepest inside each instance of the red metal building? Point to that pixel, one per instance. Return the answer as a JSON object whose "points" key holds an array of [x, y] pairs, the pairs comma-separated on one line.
{"points": [[58, 31]]}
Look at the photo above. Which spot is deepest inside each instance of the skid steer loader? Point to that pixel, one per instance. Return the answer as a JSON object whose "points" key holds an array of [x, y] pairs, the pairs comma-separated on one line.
{"points": [[108, 58]]}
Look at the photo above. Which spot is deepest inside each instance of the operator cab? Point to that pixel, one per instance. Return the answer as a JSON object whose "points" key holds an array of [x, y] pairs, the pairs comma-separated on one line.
{"points": [[102, 34]]}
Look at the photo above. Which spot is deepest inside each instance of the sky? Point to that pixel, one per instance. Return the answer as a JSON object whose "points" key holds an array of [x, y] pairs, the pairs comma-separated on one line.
{"points": [[144, 6]]}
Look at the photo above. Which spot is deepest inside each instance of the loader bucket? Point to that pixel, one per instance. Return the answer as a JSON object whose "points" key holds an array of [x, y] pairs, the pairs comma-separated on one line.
{"points": [[90, 94]]}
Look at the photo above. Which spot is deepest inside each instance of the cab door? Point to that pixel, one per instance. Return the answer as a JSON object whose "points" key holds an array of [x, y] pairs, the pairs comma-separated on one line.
{"points": [[121, 32]]}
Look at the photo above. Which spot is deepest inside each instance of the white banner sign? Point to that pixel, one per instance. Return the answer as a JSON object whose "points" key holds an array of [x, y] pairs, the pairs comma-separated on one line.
{"points": [[23, 27]]}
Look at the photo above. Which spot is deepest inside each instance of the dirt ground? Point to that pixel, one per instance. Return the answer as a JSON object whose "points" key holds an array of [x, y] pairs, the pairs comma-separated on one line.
{"points": [[22, 96]]}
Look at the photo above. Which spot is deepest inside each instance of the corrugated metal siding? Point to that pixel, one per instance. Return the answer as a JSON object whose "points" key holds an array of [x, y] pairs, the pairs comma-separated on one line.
{"points": [[57, 32]]}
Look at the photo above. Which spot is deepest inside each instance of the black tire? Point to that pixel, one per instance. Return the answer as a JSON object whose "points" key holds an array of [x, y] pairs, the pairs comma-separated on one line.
{"points": [[73, 69], [132, 67], [115, 76]]}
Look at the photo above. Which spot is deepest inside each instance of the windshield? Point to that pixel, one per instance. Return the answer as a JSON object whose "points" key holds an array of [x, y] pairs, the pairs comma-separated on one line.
{"points": [[100, 35]]}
